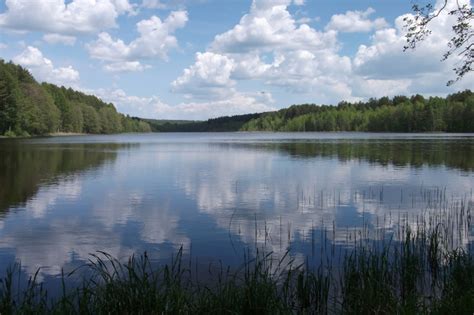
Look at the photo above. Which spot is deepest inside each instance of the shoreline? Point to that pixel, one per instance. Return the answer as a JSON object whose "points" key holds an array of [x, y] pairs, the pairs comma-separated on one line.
{"points": [[415, 275], [65, 134], [71, 134]]}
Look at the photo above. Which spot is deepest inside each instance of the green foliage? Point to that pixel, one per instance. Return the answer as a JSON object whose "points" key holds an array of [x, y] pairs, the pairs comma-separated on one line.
{"points": [[226, 123], [37, 113], [109, 120], [413, 276], [8, 100], [10, 134], [29, 108], [91, 119], [400, 114]]}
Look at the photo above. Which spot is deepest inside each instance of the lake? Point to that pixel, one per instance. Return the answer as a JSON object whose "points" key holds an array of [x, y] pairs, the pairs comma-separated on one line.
{"points": [[221, 195]]}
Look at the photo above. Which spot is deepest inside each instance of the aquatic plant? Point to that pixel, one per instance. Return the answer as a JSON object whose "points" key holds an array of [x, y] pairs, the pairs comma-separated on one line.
{"points": [[411, 276]]}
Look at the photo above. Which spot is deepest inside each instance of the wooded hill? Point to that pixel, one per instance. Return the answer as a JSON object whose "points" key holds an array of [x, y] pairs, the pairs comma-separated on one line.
{"points": [[221, 124], [28, 108], [455, 113]]}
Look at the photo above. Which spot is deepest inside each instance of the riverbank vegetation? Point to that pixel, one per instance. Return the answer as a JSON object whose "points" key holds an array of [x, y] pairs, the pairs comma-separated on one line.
{"points": [[221, 124], [414, 276], [455, 113], [28, 108]]}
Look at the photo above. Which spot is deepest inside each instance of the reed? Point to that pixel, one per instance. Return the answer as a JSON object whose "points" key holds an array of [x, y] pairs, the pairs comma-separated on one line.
{"points": [[421, 264], [414, 276]]}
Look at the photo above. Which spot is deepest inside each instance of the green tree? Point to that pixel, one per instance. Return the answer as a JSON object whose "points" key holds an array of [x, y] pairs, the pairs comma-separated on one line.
{"points": [[27, 107], [110, 120], [8, 100], [91, 119], [461, 43], [77, 118]]}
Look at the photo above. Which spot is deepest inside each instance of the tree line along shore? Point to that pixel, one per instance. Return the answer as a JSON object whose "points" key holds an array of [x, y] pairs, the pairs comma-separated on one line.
{"points": [[454, 113], [28, 108]]}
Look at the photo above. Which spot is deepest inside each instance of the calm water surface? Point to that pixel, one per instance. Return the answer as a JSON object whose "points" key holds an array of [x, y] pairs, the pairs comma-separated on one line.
{"points": [[218, 195]]}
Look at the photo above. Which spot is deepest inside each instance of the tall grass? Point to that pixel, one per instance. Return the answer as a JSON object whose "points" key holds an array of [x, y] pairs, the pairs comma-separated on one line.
{"points": [[414, 276], [421, 265]]}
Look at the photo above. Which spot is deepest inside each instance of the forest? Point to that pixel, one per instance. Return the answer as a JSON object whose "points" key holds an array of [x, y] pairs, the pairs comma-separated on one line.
{"points": [[28, 108], [455, 113], [220, 124]]}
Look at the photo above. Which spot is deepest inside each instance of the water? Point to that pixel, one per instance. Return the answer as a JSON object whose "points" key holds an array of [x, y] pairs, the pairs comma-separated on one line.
{"points": [[218, 195]]}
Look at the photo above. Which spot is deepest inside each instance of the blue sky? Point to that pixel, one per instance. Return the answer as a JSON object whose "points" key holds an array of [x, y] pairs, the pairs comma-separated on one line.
{"points": [[196, 59]]}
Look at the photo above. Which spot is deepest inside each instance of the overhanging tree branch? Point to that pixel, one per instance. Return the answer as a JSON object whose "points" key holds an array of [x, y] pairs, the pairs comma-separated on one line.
{"points": [[461, 44]]}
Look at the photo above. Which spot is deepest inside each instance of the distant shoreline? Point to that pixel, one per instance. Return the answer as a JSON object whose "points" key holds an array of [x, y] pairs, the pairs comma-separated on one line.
{"points": [[65, 134], [54, 134], [71, 134]]}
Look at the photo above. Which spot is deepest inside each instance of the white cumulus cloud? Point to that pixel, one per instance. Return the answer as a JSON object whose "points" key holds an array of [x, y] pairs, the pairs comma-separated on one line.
{"points": [[126, 66], [270, 46], [59, 39], [168, 4], [356, 21], [154, 107], [420, 70], [155, 40], [154, 4], [63, 17], [43, 68], [210, 74], [270, 26]]}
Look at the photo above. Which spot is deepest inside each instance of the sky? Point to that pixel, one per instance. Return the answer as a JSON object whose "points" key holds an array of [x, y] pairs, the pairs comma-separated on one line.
{"points": [[199, 59]]}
